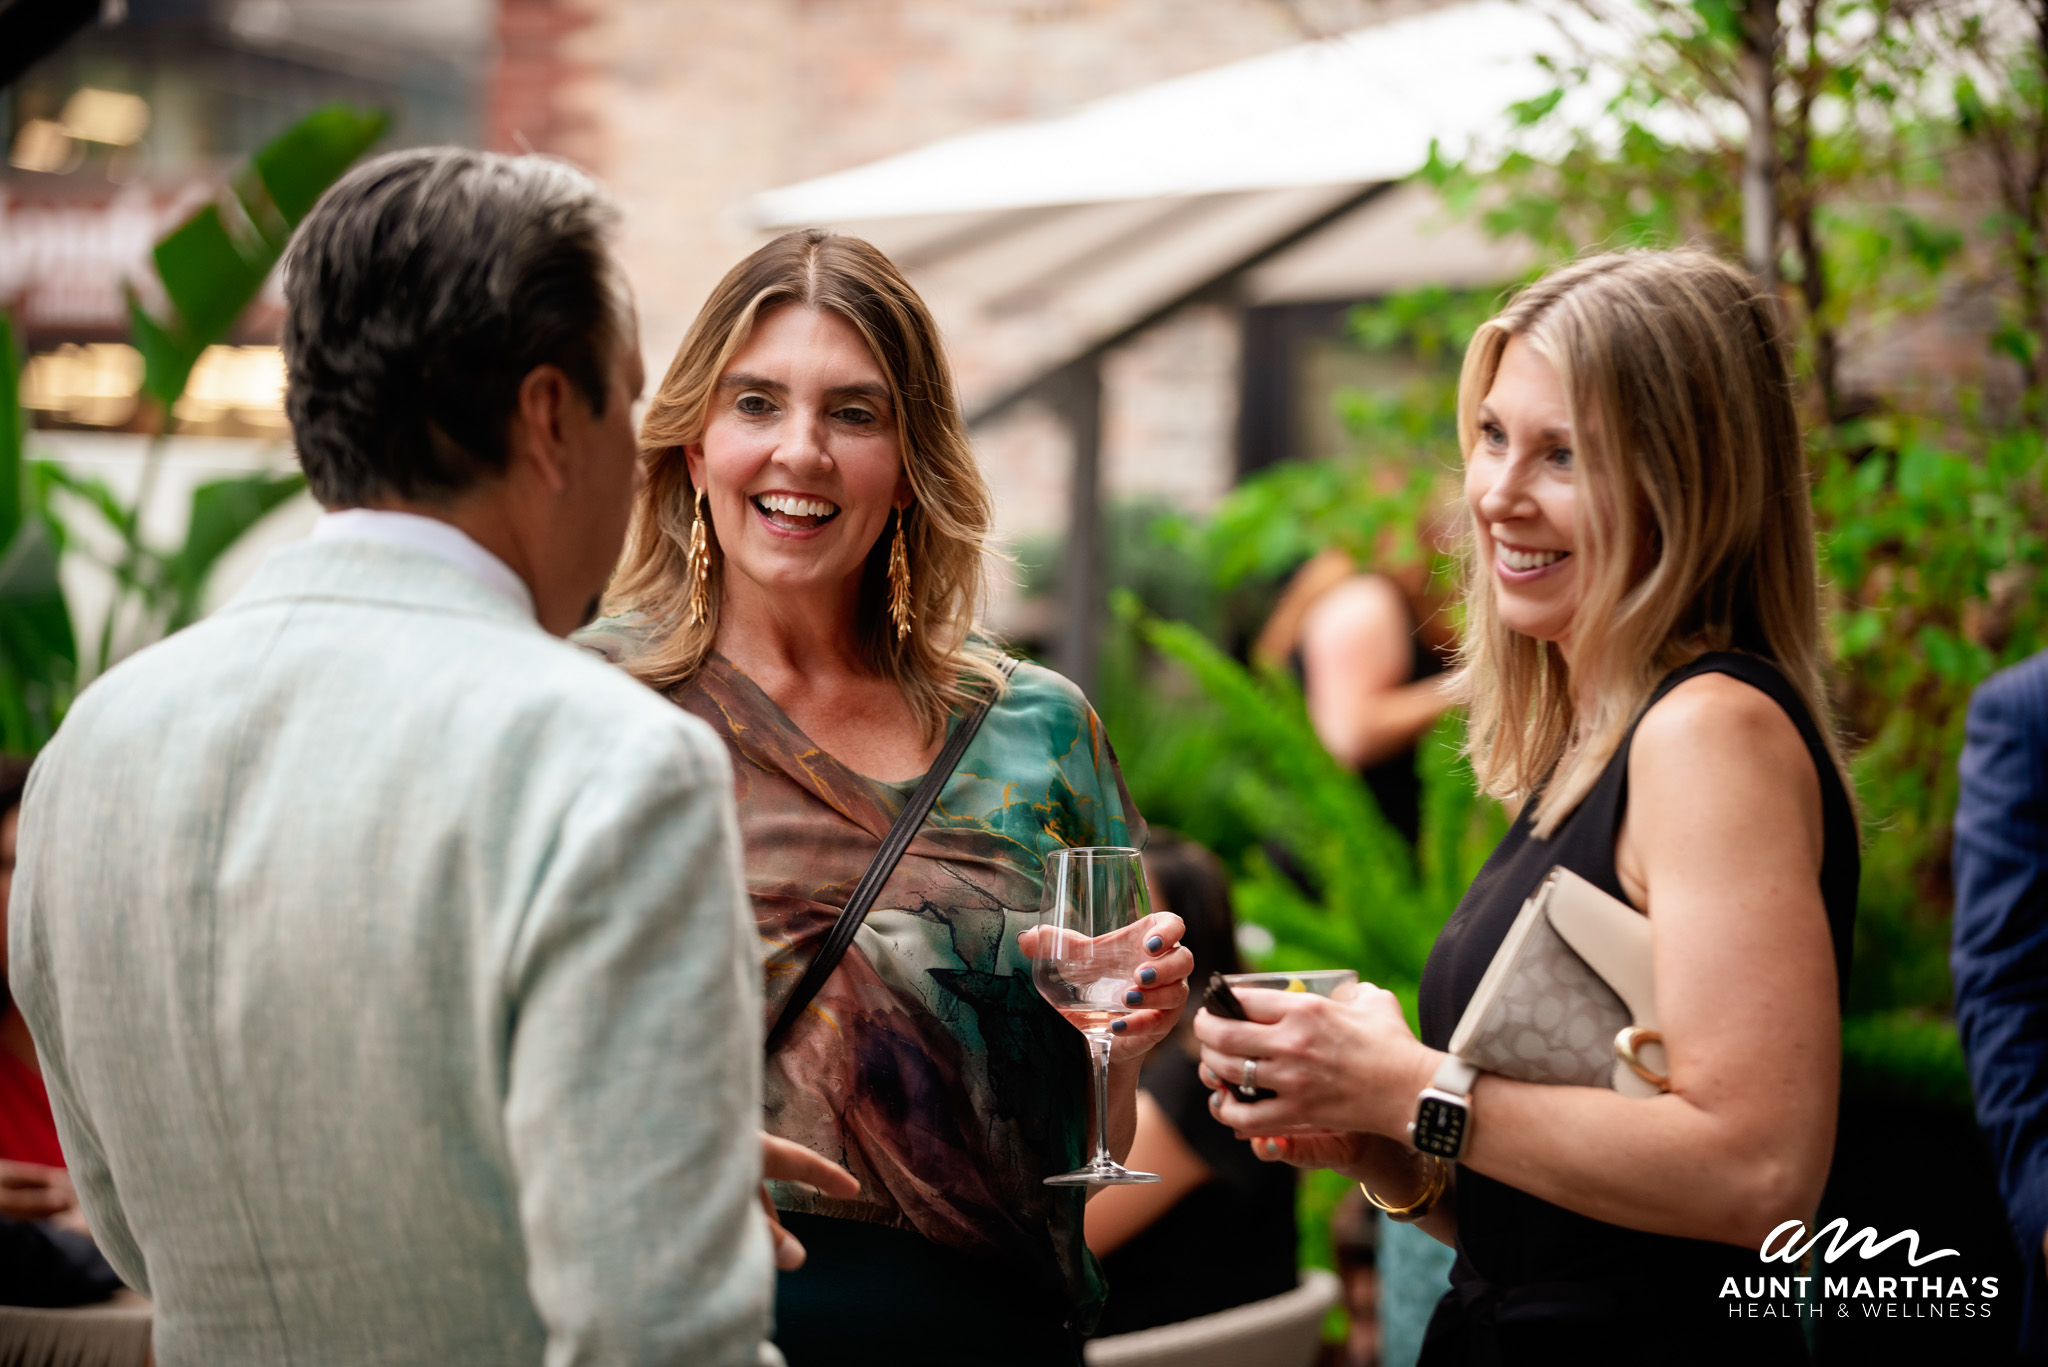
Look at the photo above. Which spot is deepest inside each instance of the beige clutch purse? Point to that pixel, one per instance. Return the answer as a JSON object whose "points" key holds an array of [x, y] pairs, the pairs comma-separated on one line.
{"points": [[1569, 997]]}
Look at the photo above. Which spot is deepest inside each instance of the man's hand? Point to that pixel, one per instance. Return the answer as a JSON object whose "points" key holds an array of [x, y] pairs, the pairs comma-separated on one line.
{"points": [[30, 1191], [785, 1161]]}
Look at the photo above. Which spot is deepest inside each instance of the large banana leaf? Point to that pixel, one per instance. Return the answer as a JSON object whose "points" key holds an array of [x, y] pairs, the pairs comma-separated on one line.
{"points": [[10, 431], [213, 264], [221, 512], [38, 654]]}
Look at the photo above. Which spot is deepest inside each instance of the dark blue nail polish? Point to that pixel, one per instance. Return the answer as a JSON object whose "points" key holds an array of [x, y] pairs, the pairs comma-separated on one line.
{"points": [[1134, 998], [1148, 976], [1156, 943], [1118, 1027]]}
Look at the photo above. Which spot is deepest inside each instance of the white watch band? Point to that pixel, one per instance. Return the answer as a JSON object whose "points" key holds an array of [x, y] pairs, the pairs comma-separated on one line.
{"points": [[1455, 1076]]}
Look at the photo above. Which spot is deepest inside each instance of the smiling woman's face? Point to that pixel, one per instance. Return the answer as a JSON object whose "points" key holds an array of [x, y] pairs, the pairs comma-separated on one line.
{"points": [[801, 460], [1524, 498]]}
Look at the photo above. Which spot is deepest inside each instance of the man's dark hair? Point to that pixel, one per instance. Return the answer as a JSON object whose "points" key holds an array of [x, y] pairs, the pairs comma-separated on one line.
{"points": [[419, 293]]}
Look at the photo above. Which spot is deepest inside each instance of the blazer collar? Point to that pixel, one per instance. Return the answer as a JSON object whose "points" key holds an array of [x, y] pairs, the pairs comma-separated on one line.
{"points": [[374, 572]]}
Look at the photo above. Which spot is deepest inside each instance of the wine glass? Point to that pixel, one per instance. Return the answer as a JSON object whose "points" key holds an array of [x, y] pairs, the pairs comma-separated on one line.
{"points": [[1090, 945]]}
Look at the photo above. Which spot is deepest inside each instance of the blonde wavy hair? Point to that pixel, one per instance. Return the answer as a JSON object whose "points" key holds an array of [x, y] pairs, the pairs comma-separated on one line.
{"points": [[1697, 529], [945, 662]]}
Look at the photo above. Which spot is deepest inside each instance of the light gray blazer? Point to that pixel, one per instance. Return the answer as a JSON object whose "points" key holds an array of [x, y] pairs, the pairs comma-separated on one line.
{"points": [[395, 987]]}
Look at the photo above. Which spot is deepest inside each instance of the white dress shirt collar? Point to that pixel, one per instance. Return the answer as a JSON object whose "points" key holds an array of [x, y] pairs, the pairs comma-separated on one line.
{"points": [[443, 540]]}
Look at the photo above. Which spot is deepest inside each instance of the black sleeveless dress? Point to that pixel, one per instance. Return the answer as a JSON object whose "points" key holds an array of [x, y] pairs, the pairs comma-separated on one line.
{"points": [[1535, 1282], [1394, 782]]}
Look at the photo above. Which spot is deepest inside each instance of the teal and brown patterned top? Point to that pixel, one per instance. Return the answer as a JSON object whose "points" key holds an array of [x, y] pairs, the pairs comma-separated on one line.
{"points": [[928, 1065]]}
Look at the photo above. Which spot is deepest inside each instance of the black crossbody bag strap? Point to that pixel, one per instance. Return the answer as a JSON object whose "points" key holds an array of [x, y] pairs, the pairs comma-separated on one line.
{"points": [[893, 845]]}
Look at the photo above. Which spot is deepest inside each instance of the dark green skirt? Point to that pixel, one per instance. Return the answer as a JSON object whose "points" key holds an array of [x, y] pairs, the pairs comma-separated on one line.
{"points": [[870, 1294]]}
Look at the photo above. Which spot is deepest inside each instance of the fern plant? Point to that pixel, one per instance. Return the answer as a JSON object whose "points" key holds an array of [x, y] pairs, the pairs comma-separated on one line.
{"points": [[1377, 905], [1227, 754]]}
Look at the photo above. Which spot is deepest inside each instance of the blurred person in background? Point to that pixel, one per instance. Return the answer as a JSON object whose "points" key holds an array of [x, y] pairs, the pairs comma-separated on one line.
{"points": [[804, 573], [1644, 666], [2000, 954], [1218, 1229], [47, 1257], [1370, 647], [387, 957]]}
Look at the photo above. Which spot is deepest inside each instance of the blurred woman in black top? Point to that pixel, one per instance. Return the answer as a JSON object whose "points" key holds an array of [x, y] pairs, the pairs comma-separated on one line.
{"points": [[1369, 647], [1218, 1229]]}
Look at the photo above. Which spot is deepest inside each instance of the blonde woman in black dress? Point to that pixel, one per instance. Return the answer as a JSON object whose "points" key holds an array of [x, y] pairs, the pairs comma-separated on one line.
{"points": [[1643, 668]]}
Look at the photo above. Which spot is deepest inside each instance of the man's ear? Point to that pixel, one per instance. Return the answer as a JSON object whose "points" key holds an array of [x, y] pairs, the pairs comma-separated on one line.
{"points": [[540, 423]]}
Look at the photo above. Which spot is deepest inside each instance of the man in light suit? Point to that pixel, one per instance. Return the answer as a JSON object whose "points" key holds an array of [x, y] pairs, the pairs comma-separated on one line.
{"points": [[387, 956], [2000, 954]]}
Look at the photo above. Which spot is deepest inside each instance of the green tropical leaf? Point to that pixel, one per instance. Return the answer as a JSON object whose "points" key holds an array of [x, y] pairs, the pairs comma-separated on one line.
{"points": [[209, 275], [30, 594], [38, 654], [298, 165], [98, 493], [222, 512], [213, 264], [11, 427], [167, 360]]}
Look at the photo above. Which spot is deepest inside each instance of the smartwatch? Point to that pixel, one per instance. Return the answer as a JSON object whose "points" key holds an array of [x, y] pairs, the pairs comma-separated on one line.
{"points": [[1443, 1112]]}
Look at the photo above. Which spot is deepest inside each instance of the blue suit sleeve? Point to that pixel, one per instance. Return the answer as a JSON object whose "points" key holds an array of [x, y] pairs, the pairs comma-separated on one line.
{"points": [[2000, 950]]}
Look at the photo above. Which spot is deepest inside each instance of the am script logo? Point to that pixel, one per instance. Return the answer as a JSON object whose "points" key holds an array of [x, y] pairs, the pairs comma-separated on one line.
{"points": [[1841, 1243]]}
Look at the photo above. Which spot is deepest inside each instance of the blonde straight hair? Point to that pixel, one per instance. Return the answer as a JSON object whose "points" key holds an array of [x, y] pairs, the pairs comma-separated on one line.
{"points": [[1696, 529], [946, 527]]}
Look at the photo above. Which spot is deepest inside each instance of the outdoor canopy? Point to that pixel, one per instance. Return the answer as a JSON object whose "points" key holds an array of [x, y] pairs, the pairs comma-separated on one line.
{"points": [[1041, 243]]}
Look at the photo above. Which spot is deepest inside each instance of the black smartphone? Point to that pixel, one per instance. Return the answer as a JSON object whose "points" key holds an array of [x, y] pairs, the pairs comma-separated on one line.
{"points": [[1220, 1000]]}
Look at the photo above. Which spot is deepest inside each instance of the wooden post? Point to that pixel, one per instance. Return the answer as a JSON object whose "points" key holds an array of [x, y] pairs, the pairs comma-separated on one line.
{"points": [[1076, 394], [1757, 67]]}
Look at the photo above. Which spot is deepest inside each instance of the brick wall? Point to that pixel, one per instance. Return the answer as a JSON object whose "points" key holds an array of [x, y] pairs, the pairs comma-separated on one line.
{"points": [[686, 107], [695, 104]]}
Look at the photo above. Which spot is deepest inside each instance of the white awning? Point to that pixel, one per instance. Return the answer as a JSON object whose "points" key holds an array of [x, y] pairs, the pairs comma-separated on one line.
{"points": [[1271, 180], [1361, 108]]}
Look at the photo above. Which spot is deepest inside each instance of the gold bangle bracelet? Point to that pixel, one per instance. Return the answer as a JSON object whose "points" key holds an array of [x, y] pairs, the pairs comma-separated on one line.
{"points": [[1432, 1192]]}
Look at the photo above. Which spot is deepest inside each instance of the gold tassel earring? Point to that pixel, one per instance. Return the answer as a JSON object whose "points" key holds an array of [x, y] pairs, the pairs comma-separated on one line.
{"points": [[899, 582], [698, 565]]}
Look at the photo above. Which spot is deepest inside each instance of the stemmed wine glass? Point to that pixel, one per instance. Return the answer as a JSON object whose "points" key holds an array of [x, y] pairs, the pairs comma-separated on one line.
{"points": [[1089, 948]]}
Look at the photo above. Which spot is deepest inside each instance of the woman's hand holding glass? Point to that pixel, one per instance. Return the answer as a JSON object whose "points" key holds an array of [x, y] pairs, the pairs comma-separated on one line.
{"points": [[1115, 970], [1338, 1067], [1148, 963]]}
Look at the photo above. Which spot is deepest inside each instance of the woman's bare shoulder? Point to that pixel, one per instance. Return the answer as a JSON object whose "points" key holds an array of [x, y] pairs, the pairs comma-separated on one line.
{"points": [[1715, 744], [1717, 712], [1368, 606]]}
